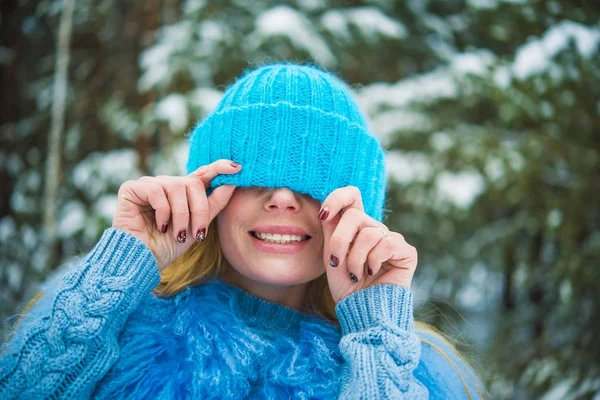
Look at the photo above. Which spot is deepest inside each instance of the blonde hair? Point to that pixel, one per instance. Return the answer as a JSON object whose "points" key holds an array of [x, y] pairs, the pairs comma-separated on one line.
{"points": [[204, 262]]}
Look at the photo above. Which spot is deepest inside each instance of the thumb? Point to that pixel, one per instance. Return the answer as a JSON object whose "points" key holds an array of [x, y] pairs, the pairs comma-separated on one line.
{"points": [[218, 199]]}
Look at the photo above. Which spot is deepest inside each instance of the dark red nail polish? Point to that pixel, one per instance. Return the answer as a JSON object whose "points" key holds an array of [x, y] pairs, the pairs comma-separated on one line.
{"points": [[234, 164], [164, 228], [201, 235], [323, 214], [370, 271], [353, 278], [182, 236], [334, 261]]}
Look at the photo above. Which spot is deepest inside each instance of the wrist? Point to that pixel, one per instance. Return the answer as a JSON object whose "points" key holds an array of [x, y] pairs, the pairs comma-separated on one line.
{"points": [[379, 304]]}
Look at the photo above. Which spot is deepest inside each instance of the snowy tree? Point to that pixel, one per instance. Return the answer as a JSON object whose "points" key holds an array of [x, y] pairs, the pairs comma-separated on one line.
{"points": [[488, 110]]}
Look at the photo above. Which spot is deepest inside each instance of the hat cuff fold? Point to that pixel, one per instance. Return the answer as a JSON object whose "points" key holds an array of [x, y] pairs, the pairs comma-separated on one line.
{"points": [[299, 147]]}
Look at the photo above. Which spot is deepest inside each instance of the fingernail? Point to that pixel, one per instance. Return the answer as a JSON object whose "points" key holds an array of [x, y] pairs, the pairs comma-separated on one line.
{"points": [[163, 228], [333, 261], [370, 271], [201, 235], [353, 278], [323, 214], [182, 236], [234, 164]]}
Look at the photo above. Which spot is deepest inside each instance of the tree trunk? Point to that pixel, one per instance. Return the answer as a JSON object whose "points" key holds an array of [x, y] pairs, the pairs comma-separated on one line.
{"points": [[53, 162]]}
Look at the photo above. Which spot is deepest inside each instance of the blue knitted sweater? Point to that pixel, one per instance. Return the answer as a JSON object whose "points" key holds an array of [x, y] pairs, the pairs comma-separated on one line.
{"points": [[99, 332]]}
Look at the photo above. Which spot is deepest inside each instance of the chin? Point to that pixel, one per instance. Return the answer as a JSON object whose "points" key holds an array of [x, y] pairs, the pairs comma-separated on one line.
{"points": [[281, 275]]}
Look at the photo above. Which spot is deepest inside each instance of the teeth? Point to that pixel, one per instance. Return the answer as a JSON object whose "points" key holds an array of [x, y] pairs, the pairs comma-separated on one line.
{"points": [[277, 238]]}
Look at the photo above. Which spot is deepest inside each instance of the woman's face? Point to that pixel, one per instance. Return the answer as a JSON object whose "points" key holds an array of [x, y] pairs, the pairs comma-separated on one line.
{"points": [[254, 232]]}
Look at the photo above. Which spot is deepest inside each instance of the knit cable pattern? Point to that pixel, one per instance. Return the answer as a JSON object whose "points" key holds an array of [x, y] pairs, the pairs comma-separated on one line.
{"points": [[65, 353], [379, 344]]}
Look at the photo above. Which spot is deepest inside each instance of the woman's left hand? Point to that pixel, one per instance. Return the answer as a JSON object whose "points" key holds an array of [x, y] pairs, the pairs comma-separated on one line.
{"points": [[360, 251]]}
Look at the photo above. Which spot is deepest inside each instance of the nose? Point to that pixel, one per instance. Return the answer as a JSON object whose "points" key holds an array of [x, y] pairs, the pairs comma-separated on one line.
{"points": [[282, 199]]}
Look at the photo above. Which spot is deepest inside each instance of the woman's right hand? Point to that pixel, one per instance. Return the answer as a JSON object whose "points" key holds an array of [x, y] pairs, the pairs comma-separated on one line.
{"points": [[168, 213]]}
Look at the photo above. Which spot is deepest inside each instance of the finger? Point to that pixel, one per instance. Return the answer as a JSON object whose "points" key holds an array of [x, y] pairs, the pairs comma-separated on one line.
{"points": [[351, 222], [365, 243], [341, 199], [338, 200], [218, 199], [207, 173], [199, 208], [148, 192], [180, 212], [395, 252]]}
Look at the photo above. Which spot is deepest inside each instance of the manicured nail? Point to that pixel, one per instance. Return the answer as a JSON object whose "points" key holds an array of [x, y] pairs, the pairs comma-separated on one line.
{"points": [[370, 271], [201, 235], [234, 164], [163, 228], [333, 261], [323, 214], [353, 278], [182, 236]]}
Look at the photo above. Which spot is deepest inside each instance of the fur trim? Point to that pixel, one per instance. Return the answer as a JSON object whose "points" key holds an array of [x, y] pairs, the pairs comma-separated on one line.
{"points": [[197, 344]]}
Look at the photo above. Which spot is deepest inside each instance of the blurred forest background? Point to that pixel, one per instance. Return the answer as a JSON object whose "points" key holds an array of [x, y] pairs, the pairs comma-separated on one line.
{"points": [[489, 109]]}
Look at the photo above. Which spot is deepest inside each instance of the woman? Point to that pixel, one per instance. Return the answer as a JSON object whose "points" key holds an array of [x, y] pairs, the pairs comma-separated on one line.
{"points": [[273, 275]]}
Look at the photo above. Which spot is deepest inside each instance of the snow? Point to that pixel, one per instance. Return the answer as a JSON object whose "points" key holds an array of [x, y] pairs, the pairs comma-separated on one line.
{"points": [[14, 273], [206, 99], [483, 4], [72, 219], [480, 289], [492, 4], [173, 162], [211, 35], [502, 77], [116, 115], [193, 6], [494, 168], [514, 159], [474, 63], [7, 228], [408, 167], [424, 88], [312, 5], [14, 164], [99, 171], [21, 203], [566, 292], [106, 206], [554, 218], [284, 21], [536, 56], [441, 141], [154, 61], [461, 188], [178, 35], [155, 71], [370, 21], [173, 109], [386, 124]]}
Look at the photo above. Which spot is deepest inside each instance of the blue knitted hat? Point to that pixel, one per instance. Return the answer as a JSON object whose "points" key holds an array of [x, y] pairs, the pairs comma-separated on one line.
{"points": [[292, 126]]}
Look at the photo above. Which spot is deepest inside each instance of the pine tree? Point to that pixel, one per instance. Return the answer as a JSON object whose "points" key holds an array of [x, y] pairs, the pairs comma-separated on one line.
{"points": [[488, 109]]}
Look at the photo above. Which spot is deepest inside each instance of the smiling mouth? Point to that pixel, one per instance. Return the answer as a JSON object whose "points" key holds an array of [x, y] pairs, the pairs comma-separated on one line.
{"points": [[278, 238]]}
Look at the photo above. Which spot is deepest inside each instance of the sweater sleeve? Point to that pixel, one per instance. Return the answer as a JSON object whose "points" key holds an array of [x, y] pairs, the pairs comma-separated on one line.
{"points": [[379, 344], [71, 338]]}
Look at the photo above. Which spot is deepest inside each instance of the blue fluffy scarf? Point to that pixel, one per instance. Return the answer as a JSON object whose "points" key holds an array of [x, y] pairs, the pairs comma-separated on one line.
{"points": [[216, 341]]}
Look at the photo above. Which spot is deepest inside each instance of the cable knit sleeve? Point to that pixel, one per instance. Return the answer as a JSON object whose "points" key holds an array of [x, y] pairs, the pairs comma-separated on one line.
{"points": [[68, 346], [379, 345]]}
